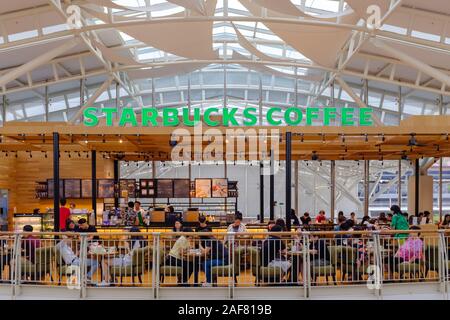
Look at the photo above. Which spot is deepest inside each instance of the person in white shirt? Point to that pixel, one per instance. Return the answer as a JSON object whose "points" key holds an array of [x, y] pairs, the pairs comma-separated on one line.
{"points": [[71, 259], [236, 227], [177, 256]]}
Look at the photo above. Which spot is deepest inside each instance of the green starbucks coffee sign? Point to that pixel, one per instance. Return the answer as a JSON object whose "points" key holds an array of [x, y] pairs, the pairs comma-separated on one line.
{"points": [[247, 117]]}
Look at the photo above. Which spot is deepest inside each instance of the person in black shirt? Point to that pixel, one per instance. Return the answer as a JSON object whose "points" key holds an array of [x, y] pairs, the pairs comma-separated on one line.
{"points": [[295, 218], [84, 227], [272, 247], [305, 219], [217, 255], [319, 253], [202, 225]]}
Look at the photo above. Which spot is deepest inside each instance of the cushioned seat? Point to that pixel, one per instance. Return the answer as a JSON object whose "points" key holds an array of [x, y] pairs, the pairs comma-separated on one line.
{"points": [[43, 258], [271, 274], [140, 260], [410, 268], [227, 270]]}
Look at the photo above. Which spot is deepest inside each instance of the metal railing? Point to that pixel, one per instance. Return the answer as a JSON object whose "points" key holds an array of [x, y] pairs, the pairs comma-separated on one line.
{"points": [[159, 260]]}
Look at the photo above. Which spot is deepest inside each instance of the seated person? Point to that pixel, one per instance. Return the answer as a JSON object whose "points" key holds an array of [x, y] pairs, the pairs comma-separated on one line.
{"points": [[70, 226], [410, 251], [382, 218], [177, 256], [427, 218], [270, 224], [321, 218], [177, 227], [342, 239], [305, 219], [29, 244], [353, 217], [341, 220], [295, 218], [368, 223], [70, 258], [237, 226], [280, 222], [446, 222], [216, 255], [84, 227], [202, 225], [273, 250], [319, 254]]}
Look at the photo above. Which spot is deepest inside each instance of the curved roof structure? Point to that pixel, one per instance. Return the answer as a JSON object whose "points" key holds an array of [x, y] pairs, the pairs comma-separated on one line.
{"points": [[212, 52]]}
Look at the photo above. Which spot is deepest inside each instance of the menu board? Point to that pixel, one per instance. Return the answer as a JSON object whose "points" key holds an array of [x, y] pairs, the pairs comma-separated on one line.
{"points": [[72, 188], [50, 189], [86, 188], [105, 188], [147, 188], [181, 188], [203, 188], [127, 188], [164, 188], [219, 188]]}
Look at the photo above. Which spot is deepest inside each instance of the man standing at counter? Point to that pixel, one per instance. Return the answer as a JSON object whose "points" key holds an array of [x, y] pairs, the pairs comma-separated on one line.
{"points": [[140, 213], [64, 214]]}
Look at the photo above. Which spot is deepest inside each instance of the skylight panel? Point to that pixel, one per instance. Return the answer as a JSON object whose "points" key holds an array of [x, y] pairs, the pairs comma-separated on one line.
{"points": [[270, 50], [54, 28], [22, 35], [395, 29], [426, 36]]}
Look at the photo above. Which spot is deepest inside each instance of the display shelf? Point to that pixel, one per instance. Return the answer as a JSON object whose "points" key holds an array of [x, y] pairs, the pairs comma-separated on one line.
{"points": [[23, 219]]}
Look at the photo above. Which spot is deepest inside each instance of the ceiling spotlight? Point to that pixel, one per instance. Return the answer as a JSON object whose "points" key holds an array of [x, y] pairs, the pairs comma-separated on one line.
{"points": [[45, 155], [86, 139], [366, 138], [120, 139], [314, 156], [323, 138], [343, 138], [16, 154], [383, 138], [103, 138], [302, 137]]}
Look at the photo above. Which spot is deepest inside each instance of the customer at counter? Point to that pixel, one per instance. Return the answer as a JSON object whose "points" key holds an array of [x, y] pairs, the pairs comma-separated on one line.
{"points": [[85, 227], [139, 213], [178, 226], [129, 217], [64, 213]]}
